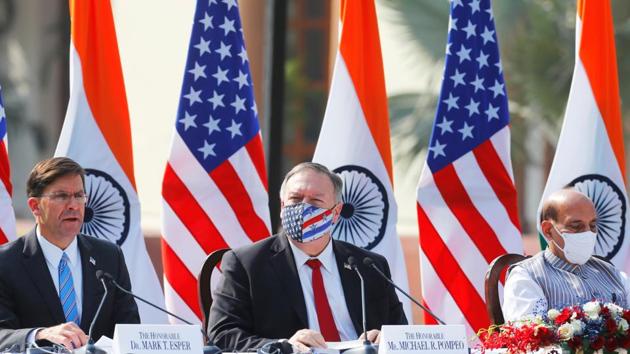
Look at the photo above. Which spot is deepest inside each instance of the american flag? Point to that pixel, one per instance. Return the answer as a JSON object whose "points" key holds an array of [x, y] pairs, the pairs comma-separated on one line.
{"points": [[215, 185], [467, 208], [7, 221]]}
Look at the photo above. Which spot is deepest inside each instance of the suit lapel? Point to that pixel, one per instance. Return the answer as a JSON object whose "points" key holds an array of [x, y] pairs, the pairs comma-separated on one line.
{"points": [[284, 266], [351, 286], [91, 295], [35, 266]]}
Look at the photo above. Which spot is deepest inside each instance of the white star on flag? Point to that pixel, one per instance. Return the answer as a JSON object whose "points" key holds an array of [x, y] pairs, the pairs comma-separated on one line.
{"points": [[216, 100], [451, 102], [188, 121], [445, 126], [203, 46], [224, 50], [212, 125]]}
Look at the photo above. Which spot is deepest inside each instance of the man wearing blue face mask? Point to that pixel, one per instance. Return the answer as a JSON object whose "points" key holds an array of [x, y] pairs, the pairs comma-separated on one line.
{"points": [[296, 286], [566, 273]]}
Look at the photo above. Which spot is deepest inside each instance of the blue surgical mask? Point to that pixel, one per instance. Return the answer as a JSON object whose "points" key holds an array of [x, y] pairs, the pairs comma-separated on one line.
{"points": [[304, 222]]}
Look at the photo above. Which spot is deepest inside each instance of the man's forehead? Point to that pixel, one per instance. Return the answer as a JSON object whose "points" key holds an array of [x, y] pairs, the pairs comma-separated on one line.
{"points": [[66, 182], [580, 210]]}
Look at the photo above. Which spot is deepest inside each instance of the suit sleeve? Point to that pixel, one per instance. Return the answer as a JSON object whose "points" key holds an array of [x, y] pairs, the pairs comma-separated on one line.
{"points": [[11, 334], [396, 312], [126, 309], [231, 320]]}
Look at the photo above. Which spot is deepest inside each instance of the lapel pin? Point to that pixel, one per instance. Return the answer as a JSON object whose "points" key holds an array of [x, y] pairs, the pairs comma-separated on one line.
{"points": [[93, 261]]}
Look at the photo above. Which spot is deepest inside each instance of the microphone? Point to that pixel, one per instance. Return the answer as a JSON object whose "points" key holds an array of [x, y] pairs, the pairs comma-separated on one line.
{"points": [[367, 347], [91, 348], [209, 348], [370, 263]]}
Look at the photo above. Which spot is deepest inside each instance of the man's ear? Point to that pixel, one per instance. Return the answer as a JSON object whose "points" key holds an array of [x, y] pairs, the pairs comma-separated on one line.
{"points": [[33, 204], [337, 212], [545, 227]]}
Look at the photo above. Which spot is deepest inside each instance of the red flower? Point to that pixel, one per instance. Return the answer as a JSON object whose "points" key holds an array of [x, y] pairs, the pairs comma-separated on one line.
{"points": [[624, 342], [611, 344], [610, 325], [626, 315], [575, 343], [598, 343], [564, 316], [604, 312], [579, 314]]}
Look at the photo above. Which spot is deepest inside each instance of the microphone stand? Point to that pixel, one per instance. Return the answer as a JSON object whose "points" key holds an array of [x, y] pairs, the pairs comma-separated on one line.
{"points": [[208, 348], [367, 347], [370, 263], [91, 348]]}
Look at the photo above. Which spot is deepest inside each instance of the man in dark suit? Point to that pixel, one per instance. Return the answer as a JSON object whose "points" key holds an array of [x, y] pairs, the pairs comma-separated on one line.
{"points": [[48, 286], [297, 285]]}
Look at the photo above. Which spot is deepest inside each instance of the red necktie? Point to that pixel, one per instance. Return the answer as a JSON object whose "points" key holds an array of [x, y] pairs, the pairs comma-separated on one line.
{"points": [[324, 314]]}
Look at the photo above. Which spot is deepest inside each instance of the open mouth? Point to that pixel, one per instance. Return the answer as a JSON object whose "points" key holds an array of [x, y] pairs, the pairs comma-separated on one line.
{"points": [[72, 219]]}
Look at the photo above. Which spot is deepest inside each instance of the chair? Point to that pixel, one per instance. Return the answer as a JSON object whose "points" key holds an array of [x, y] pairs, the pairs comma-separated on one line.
{"points": [[204, 285], [493, 275]]}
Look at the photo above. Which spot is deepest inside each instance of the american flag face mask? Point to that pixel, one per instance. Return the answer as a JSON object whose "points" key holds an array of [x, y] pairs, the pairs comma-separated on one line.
{"points": [[304, 222]]}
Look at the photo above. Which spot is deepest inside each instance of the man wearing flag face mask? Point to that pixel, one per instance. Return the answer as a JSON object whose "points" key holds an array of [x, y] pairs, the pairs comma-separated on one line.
{"points": [[297, 285], [566, 273]]}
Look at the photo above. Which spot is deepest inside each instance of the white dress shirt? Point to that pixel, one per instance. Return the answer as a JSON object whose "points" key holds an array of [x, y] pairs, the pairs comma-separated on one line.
{"points": [[53, 255], [334, 290], [523, 296]]}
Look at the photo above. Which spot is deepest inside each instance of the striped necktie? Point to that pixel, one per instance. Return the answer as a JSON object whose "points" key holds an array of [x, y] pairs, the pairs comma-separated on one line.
{"points": [[67, 296]]}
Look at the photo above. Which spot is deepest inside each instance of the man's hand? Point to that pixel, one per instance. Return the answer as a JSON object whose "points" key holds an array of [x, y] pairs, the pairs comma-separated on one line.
{"points": [[373, 336], [305, 339], [67, 334]]}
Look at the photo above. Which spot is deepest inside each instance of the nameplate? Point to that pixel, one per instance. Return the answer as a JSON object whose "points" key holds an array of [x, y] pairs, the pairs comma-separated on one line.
{"points": [[152, 339], [423, 339]]}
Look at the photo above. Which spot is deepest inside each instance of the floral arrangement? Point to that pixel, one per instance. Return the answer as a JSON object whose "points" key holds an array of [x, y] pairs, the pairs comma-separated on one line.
{"points": [[594, 326]]}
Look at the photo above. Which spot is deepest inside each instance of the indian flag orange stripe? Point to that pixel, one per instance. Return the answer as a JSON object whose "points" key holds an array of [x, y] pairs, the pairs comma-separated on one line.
{"points": [[599, 58], [365, 65], [92, 25]]}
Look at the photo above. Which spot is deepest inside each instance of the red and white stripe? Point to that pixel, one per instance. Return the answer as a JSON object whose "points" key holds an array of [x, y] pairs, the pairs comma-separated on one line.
{"points": [[203, 212], [7, 215], [462, 214]]}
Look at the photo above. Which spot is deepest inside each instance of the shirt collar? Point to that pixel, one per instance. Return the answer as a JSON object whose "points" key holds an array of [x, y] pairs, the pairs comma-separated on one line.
{"points": [[53, 253], [327, 257], [560, 263]]}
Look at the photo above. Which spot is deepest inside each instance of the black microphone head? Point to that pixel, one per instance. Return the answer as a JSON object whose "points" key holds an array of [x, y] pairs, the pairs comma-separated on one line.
{"points": [[104, 275], [352, 262], [368, 261]]}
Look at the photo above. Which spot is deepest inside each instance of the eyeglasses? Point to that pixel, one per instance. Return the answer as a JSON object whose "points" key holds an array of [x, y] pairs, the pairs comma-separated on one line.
{"points": [[63, 197]]}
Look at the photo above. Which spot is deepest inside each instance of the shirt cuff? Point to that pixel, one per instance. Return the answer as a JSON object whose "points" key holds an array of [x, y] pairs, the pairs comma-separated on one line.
{"points": [[30, 338]]}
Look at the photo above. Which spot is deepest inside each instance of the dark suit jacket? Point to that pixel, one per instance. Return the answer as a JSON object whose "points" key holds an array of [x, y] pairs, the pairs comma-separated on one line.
{"points": [[260, 298], [28, 298]]}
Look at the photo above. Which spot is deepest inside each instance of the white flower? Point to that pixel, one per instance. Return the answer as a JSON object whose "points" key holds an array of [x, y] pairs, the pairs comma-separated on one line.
{"points": [[565, 332], [614, 309], [577, 327], [591, 309], [622, 325], [552, 314]]}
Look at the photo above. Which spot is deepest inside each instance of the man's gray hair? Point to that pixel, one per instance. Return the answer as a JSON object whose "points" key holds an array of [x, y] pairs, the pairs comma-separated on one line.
{"points": [[314, 166]]}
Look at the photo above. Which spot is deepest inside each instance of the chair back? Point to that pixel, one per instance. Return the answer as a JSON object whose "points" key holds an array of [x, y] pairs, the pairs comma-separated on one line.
{"points": [[204, 284], [493, 275]]}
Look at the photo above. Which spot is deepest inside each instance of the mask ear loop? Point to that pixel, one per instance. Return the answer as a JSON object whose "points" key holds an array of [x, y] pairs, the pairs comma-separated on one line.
{"points": [[552, 240]]}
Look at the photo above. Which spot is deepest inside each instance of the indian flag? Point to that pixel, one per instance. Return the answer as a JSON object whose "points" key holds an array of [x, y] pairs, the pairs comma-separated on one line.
{"points": [[96, 133], [590, 153], [354, 141]]}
